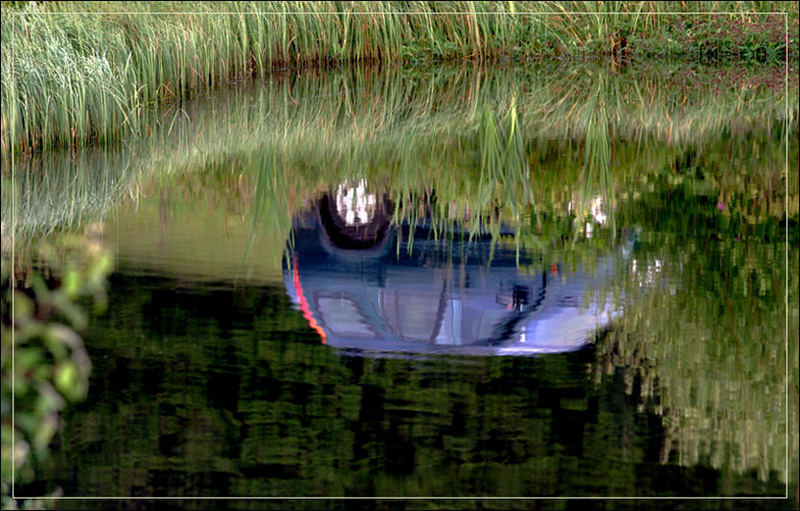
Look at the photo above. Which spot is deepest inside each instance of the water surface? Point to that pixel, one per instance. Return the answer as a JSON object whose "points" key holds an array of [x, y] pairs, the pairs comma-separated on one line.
{"points": [[480, 282]]}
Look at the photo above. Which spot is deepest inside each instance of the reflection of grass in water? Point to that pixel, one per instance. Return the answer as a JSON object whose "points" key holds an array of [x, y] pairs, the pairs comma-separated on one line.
{"points": [[597, 154], [463, 141], [62, 191], [271, 207], [427, 146], [476, 162]]}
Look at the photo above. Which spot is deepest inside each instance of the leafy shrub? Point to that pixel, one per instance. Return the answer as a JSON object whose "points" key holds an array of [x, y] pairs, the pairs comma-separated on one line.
{"points": [[42, 351]]}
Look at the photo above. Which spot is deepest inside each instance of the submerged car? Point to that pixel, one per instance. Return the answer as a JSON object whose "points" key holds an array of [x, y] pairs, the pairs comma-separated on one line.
{"points": [[369, 287]]}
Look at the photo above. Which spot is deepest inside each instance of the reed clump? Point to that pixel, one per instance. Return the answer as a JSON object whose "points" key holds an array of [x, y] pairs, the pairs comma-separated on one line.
{"points": [[76, 73]]}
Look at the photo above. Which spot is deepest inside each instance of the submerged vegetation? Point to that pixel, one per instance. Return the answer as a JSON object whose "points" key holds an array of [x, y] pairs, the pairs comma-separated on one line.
{"points": [[76, 73]]}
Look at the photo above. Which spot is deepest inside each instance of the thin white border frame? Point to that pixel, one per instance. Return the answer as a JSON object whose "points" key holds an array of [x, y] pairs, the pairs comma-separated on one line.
{"points": [[521, 13]]}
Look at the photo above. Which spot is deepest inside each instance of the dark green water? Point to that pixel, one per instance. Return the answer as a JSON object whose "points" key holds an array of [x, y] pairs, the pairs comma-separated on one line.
{"points": [[511, 334]]}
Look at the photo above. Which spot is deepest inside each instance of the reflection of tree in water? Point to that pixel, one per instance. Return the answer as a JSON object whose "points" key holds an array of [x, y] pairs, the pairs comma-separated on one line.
{"points": [[176, 410], [701, 341]]}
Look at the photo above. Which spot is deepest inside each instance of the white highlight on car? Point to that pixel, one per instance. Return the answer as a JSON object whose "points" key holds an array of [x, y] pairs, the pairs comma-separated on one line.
{"points": [[355, 205]]}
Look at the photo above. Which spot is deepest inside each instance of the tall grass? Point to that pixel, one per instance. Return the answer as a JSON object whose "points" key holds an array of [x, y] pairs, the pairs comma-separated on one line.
{"points": [[74, 73]]}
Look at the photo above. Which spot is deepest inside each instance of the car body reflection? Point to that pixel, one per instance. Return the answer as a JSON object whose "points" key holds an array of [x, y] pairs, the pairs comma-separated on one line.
{"points": [[373, 291]]}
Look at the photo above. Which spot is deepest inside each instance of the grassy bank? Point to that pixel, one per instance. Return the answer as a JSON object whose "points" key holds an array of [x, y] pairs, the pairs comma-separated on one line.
{"points": [[76, 73]]}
